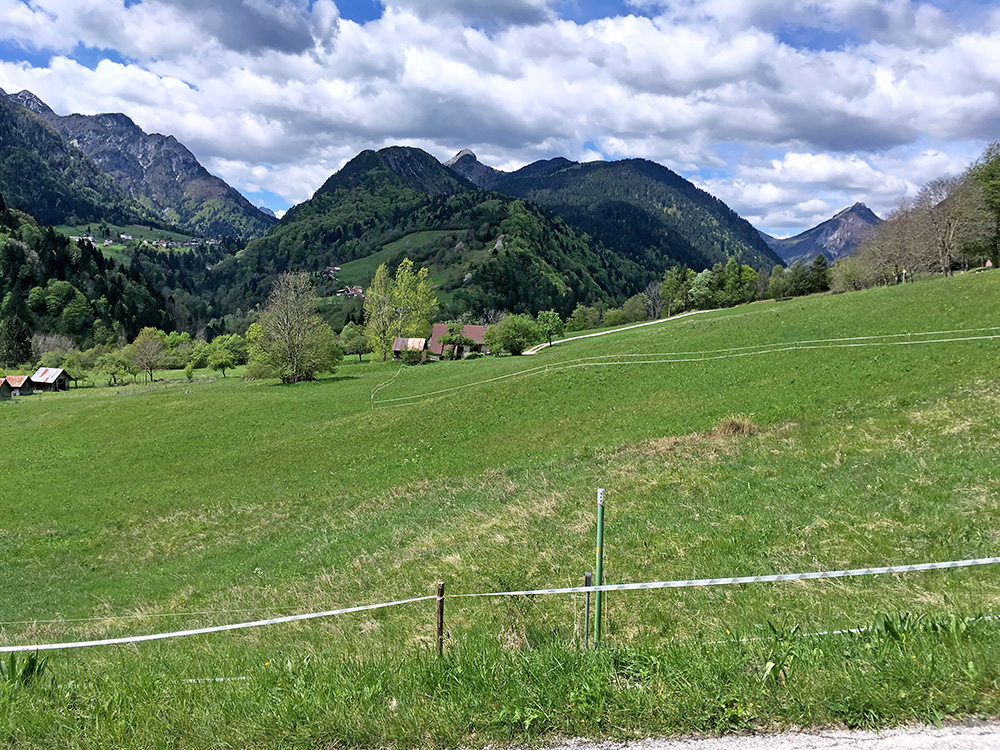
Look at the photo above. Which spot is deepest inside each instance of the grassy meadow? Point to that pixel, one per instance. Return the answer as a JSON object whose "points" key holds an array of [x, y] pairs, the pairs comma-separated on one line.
{"points": [[181, 505]]}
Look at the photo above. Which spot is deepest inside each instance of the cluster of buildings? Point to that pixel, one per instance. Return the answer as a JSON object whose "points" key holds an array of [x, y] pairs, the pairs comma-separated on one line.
{"points": [[45, 380], [433, 347]]}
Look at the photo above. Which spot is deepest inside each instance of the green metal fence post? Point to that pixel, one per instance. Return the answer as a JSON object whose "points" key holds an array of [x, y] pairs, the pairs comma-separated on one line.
{"points": [[599, 576]]}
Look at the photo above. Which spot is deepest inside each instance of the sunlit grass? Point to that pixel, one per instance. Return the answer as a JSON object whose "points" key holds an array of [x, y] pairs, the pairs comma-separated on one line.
{"points": [[182, 504]]}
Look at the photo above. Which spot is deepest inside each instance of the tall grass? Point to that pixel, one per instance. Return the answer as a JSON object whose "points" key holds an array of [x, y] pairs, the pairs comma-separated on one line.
{"points": [[180, 505]]}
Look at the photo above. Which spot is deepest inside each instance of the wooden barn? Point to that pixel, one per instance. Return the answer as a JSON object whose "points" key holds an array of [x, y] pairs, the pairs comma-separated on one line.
{"points": [[50, 380], [400, 345], [20, 385]]}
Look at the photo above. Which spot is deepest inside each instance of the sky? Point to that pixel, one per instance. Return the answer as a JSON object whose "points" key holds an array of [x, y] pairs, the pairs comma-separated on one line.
{"points": [[787, 110]]}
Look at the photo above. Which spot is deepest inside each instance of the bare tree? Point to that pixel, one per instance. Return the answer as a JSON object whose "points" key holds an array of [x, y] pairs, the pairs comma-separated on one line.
{"points": [[655, 300], [950, 213]]}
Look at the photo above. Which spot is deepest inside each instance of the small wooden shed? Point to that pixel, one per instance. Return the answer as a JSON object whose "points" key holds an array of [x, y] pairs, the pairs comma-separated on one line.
{"points": [[401, 345], [20, 385], [50, 380], [5, 390]]}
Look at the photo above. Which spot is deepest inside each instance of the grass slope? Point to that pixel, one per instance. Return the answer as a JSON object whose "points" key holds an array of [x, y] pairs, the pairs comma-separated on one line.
{"points": [[233, 500]]}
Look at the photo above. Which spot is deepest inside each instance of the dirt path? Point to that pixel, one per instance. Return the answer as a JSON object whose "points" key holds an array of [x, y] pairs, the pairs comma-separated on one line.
{"points": [[977, 735]]}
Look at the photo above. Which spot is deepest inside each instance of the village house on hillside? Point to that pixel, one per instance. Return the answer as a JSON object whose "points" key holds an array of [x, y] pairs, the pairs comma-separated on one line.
{"points": [[475, 333], [50, 380]]}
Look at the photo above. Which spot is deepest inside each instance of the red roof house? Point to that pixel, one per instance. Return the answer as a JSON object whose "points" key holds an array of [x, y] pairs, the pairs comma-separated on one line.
{"points": [[476, 333], [20, 385]]}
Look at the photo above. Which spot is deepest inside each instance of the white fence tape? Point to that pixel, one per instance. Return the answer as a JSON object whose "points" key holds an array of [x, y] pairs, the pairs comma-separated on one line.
{"points": [[688, 583], [709, 355], [747, 579], [212, 629]]}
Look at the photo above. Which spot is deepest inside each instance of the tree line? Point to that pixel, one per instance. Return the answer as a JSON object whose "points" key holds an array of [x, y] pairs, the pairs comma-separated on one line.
{"points": [[953, 223]]}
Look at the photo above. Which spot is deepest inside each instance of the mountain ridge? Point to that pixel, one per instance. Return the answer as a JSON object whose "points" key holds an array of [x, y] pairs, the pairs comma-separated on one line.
{"points": [[157, 171], [636, 208], [836, 237], [46, 176]]}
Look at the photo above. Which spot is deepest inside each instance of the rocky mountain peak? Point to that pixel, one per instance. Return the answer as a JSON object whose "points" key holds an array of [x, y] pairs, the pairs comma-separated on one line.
{"points": [[459, 156], [29, 101], [467, 165], [835, 237]]}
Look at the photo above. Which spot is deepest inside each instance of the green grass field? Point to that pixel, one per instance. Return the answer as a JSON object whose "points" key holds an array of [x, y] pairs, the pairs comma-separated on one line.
{"points": [[182, 505]]}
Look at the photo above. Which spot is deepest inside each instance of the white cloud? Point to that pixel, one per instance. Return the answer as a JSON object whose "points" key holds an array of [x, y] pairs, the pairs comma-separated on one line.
{"points": [[273, 95]]}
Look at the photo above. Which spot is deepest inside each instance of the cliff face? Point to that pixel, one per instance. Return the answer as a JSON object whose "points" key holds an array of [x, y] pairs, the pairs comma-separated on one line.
{"points": [[158, 171]]}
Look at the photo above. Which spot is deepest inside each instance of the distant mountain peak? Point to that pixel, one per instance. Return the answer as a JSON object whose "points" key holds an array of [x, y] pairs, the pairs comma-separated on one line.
{"points": [[29, 101], [156, 171], [467, 165], [460, 155], [834, 238]]}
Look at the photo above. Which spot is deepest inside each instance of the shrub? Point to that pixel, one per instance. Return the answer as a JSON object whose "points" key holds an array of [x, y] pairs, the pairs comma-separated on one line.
{"points": [[411, 357]]}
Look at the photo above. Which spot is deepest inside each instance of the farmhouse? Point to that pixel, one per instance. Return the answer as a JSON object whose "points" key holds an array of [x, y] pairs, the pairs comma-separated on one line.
{"points": [[475, 333], [20, 385], [401, 345], [50, 380]]}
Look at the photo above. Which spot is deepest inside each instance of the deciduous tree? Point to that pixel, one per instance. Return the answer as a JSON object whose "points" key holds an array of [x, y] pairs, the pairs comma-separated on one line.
{"points": [[514, 333], [550, 324], [147, 350], [401, 305], [289, 340]]}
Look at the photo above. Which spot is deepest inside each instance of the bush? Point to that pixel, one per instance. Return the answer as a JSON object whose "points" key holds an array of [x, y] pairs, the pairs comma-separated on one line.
{"points": [[515, 333], [411, 357], [473, 355]]}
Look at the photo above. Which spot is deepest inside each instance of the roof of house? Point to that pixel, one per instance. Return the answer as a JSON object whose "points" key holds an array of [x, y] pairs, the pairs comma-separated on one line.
{"points": [[16, 381], [476, 333], [403, 343], [47, 375]]}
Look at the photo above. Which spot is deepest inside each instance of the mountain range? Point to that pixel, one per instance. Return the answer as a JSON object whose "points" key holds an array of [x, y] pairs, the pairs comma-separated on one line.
{"points": [[160, 179], [638, 209], [834, 238], [47, 176], [551, 235]]}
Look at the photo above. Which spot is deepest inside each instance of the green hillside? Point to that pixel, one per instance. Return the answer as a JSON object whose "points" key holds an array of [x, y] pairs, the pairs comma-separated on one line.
{"points": [[489, 251], [823, 433], [641, 211]]}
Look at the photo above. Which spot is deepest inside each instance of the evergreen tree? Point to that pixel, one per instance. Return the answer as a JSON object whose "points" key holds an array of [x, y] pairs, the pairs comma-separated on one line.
{"points": [[15, 341], [819, 274]]}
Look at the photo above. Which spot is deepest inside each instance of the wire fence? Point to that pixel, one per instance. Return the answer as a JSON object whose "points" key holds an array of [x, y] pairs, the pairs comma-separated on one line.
{"points": [[649, 585], [708, 355]]}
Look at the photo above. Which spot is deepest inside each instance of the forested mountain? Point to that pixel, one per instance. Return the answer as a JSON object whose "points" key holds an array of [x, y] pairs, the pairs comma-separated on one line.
{"points": [[158, 172], [50, 285], [44, 175], [491, 251], [834, 238], [635, 208]]}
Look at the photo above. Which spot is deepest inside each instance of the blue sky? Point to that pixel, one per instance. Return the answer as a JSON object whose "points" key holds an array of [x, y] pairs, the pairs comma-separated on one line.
{"points": [[788, 110]]}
